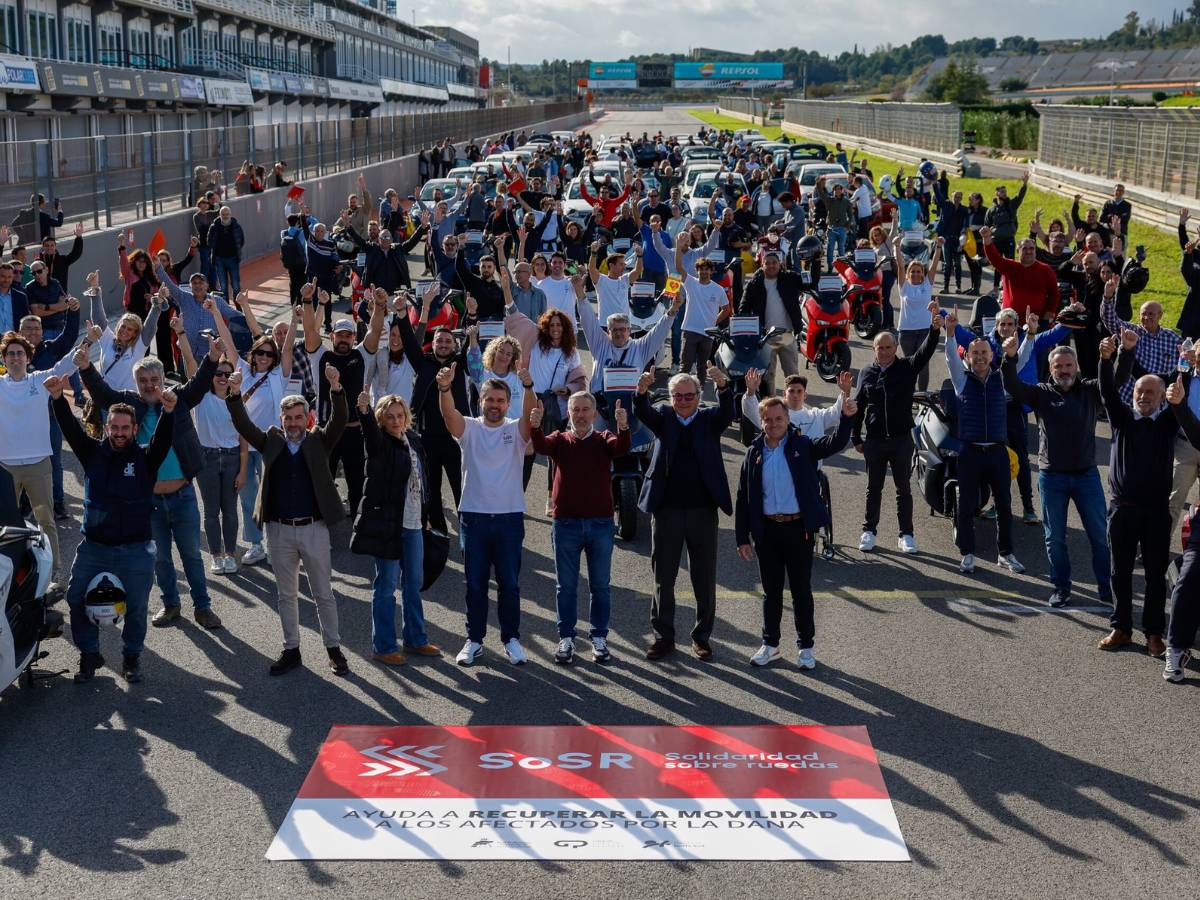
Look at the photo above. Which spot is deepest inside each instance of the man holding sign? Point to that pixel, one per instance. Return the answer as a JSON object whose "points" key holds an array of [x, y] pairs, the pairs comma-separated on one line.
{"points": [[617, 348], [583, 514]]}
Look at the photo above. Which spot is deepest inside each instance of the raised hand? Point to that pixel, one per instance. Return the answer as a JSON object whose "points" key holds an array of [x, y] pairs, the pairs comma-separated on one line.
{"points": [[719, 378], [364, 402], [621, 415], [445, 377], [1108, 347], [333, 376], [94, 332], [849, 407], [308, 289], [80, 358], [753, 380], [845, 381], [644, 382], [1010, 346], [235, 382], [72, 303], [1032, 321], [535, 415], [322, 297], [1175, 392], [472, 306], [1129, 339], [169, 400], [951, 320], [93, 279]]}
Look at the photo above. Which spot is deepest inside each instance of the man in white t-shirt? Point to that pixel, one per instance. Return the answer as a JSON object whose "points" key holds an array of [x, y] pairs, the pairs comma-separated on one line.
{"points": [[560, 294], [612, 290], [705, 300], [491, 513]]}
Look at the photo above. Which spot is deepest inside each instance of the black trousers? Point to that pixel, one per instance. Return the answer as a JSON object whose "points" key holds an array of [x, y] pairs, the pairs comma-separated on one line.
{"points": [[163, 345], [442, 454], [1129, 527], [786, 550], [670, 531], [1185, 602], [880, 454], [951, 265], [350, 452], [1018, 441], [975, 267], [976, 466], [296, 280]]}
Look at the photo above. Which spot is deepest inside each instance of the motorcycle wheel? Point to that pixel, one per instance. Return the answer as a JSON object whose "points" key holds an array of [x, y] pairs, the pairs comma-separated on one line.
{"points": [[868, 324], [627, 509], [830, 363]]}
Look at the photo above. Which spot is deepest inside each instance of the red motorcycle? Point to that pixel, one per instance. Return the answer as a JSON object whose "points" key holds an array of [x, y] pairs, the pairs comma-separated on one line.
{"points": [[866, 304], [827, 327], [443, 315]]}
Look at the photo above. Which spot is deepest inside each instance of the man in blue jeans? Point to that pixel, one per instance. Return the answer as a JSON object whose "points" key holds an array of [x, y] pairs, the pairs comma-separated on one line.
{"points": [[583, 515], [175, 516], [491, 513], [119, 478], [1066, 407]]}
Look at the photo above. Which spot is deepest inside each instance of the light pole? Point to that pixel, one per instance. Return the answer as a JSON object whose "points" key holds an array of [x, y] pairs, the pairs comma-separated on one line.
{"points": [[1112, 65]]}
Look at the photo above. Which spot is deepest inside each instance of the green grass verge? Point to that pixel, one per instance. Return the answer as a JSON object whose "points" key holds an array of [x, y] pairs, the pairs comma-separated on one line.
{"points": [[1180, 101], [1162, 248]]}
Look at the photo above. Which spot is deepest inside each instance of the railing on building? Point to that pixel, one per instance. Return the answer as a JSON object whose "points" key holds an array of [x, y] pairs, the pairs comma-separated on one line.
{"points": [[1157, 149], [292, 16], [357, 73], [182, 7], [115, 179], [928, 126]]}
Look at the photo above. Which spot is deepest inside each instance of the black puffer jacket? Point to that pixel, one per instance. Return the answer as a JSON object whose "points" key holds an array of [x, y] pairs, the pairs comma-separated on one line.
{"points": [[379, 528]]}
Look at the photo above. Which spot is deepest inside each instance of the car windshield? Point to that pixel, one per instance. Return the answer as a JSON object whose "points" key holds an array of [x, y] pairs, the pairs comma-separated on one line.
{"points": [[444, 185], [573, 191], [732, 190]]}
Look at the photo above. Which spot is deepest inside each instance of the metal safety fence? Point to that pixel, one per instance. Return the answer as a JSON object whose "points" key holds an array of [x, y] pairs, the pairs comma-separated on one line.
{"points": [[1157, 149], [746, 106], [928, 126], [109, 180]]}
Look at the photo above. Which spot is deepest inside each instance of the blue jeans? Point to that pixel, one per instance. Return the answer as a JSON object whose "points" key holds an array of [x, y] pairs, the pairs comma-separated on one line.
{"points": [[134, 565], [677, 335], [226, 274], [251, 533], [595, 538], [492, 540], [56, 469], [409, 574], [176, 519], [834, 237], [206, 262], [1085, 490]]}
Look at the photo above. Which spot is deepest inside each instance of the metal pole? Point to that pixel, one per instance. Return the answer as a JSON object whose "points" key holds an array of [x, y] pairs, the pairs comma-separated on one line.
{"points": [[102, 178], [148, 194]]}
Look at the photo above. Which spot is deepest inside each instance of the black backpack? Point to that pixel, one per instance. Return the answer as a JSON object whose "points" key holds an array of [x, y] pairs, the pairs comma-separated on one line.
{"points": [[291, 251]]}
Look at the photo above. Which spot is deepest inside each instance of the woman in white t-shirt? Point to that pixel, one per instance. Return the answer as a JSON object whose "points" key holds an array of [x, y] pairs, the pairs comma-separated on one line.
{"points": [[916, 290]]}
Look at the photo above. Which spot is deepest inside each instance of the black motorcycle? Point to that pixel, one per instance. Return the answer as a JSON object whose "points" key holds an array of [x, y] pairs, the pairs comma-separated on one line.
{"points": [[936, 451]]}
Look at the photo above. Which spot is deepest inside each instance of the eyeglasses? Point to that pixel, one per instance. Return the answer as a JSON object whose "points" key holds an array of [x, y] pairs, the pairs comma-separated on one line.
{"points": [[264, 352], [221, 374], [691, 395]]}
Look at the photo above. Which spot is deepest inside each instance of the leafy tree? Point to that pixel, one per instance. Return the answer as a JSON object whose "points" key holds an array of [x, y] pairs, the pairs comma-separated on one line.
{"points": [[959, 82], [1012, 85]]}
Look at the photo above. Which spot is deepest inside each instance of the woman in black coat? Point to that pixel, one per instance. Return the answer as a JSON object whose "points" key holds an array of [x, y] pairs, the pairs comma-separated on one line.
{"points": [[390, 524]]}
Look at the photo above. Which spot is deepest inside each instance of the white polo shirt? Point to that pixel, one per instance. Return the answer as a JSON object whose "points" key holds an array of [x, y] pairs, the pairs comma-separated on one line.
{"points": [[492, 463]]}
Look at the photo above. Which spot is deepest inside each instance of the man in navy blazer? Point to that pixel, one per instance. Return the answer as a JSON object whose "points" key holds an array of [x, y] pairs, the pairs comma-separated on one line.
{"points": [[684, 487], [779, 507]]}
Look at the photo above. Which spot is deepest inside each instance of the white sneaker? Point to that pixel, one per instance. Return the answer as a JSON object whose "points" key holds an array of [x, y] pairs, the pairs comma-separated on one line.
{"points": [[565, 652], [907, 544], [967, 566], [806, 660], [255, 554], [866, 543], [515, 652], [765, 655], [469, 653], [600, 651], [231, 565], [1011, 563], [1177, 661], [218, 566]]}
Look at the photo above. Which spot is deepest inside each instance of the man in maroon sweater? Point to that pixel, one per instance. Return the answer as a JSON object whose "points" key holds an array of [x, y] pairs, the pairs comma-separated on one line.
{"points": [[1027, 283], [583, 514]]}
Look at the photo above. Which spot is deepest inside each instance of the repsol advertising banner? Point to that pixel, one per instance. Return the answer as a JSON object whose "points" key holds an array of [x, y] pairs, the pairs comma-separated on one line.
{"points": [[730, 75], [767, 792], [612, 75]]}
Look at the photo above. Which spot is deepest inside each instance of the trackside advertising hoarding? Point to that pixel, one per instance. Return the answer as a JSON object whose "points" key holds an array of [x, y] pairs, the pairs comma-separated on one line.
{"points": [[770, 792], [612, 76], [730, 75]]}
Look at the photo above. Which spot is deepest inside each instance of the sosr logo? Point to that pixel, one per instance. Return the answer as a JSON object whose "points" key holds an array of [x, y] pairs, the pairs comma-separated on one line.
{"points": [[397, 762]]}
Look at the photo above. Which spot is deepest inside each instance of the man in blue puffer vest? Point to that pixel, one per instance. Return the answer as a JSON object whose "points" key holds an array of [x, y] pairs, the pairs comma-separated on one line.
{"points": [[983, 430]]}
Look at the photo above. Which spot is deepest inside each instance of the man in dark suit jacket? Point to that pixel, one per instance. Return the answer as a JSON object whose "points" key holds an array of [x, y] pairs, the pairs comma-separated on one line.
{"points": [[779, 506], [684, 487]]}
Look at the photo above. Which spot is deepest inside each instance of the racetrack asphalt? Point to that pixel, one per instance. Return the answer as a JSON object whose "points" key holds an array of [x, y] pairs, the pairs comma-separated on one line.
{"points": [[1021, 761]]}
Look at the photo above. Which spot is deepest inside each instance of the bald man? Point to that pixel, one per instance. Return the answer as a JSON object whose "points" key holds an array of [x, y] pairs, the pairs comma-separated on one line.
{"points": [[1156, 349]]}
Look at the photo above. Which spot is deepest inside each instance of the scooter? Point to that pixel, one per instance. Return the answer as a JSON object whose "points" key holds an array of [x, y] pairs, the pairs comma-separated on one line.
{"points": [[827, 327], [914, 247], [936, 451], [628, 471], [866, 305], [738, 347], [25, 568]]}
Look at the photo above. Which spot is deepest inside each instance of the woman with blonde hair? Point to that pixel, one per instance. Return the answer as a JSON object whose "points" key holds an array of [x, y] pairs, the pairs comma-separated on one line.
{"points": [[916, 290], [391, 520]]}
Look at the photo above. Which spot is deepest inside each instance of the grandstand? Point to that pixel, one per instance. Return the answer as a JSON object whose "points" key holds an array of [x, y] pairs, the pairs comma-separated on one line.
{"points": [[1066, 74]]}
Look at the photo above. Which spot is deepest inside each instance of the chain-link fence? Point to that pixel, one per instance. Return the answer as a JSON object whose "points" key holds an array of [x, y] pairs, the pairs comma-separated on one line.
{"points": [[1151, 148], [112, 179], [746, 106], [925, 126]]}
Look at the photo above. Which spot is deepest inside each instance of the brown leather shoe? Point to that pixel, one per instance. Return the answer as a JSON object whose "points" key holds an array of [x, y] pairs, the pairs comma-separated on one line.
{"points": [[165, 616], [660, 648], [389, 659], [702, 649], [206, 618], [1155, 646], [1115, 640], [423, 650]]}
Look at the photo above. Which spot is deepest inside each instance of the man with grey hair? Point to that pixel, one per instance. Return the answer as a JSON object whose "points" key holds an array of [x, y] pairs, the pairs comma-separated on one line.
{"points": [[175, 517], [1066, 406], [297, 504], [685, 485], [617, 348]]}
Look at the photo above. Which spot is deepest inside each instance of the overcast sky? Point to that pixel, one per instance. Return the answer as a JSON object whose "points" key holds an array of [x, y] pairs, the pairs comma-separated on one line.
{"points": [[570, 29]]}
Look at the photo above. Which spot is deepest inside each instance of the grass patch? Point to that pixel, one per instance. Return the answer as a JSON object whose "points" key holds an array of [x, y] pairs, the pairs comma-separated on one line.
{"points": [[1162, 248], [1180, 101]]}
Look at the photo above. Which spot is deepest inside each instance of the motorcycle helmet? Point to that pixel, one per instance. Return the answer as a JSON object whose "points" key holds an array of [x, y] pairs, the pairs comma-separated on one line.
{"points": [[104, 602], [885, 184], [927, 170], [1135, 277], [809, 248]]}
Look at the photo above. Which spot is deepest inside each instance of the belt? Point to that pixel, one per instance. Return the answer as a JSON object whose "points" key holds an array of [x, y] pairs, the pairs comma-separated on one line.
{"points": [[785, 517], [303, 520], [987, 446]]}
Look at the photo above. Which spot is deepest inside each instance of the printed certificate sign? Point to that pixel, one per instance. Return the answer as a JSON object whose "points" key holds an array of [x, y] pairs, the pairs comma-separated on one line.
{"points": [[620, 245], [489, 330], [717, 256], [641, 289], [621, 378], [743, 325], [767, 792]]}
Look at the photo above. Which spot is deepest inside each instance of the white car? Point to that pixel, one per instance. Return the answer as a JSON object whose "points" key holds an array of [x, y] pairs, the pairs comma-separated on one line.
{"points": [[447, 186], [574, 206], [808, 173], [565, 137], [694, 171], [466, 173]]}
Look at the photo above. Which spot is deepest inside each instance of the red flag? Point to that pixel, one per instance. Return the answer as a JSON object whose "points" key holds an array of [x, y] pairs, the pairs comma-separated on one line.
{"points": [[295, 192], [157, 243]]}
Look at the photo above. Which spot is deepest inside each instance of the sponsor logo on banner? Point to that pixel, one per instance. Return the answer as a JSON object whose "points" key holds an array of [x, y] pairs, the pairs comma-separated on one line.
{"points": [[593, 792]]}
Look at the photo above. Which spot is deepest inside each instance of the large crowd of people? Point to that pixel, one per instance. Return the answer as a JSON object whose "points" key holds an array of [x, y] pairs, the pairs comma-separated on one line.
{"points": [[538, 252]]}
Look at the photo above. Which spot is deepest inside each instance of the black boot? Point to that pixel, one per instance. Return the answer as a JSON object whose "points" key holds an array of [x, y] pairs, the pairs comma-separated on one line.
{"points": [[337, 661], [289, 659], [131, 668], [89, 662]]}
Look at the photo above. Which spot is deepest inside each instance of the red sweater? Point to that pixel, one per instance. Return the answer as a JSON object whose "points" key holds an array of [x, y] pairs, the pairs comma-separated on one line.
{"points": [[1025, 287], [609, 207], [582, 468]]}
